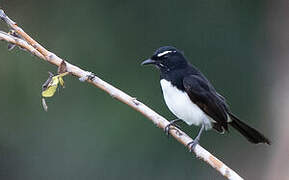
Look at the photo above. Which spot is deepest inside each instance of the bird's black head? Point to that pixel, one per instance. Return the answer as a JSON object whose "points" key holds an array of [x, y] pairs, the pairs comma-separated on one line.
{"points": [[167, 58]]}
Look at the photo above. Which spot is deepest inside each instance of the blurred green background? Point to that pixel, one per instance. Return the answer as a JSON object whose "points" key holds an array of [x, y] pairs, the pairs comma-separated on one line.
{"points": [[88, 135]]}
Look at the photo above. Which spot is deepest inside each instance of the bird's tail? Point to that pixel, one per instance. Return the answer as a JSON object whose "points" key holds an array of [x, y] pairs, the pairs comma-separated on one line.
{"points": [[250, 133]]}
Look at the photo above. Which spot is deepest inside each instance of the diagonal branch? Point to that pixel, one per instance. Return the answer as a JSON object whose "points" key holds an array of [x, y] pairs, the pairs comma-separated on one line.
{"points": [[35, 48], [20, 43]]}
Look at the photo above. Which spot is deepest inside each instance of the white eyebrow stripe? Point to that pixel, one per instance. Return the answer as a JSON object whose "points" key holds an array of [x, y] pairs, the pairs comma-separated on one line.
{"points": [[164, 53]]}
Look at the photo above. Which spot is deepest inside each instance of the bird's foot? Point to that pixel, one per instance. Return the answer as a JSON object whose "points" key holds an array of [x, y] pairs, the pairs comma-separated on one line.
{"points": [[192, 145], [172, 125]]}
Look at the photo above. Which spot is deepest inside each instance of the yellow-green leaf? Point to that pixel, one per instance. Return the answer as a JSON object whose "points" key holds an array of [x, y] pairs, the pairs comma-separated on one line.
{"points": [[52, 86], [61, 81]]}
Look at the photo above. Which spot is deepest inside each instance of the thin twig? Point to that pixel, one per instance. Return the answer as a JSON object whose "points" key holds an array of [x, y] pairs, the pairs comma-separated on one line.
{"points": [[20, 43], [35, 48]]}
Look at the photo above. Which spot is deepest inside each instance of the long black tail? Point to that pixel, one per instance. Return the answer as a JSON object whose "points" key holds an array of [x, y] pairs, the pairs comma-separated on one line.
{"points": [[250, 134]]}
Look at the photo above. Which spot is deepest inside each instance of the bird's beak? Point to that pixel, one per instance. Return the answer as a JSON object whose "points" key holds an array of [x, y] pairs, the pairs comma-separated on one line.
{"points": [[148, 61]]}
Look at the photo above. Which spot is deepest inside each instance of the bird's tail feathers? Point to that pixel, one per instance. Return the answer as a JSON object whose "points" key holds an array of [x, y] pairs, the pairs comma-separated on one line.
{"points": [[248, 132]]}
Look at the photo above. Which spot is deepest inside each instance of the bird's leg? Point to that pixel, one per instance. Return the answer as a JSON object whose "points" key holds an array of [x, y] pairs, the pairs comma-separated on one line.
{"points": [[193, 144], [172, 123]]}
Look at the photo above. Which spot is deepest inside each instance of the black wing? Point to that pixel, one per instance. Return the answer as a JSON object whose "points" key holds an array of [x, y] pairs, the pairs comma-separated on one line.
{"points": [[202, 93]]}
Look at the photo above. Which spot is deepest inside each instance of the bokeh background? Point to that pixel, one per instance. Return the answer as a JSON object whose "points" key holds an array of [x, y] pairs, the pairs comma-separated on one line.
{"points": [[241, 46]]}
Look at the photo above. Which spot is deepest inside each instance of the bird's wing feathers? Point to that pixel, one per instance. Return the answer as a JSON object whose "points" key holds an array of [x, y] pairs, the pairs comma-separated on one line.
{"points": [[204, 95]]}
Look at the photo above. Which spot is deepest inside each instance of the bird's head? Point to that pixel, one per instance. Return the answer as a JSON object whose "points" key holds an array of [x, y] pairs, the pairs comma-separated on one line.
{"points": [[167, 58]]}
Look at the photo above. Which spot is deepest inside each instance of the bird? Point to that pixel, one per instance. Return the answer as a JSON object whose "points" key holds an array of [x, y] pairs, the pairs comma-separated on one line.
{"points": [[191, 97]]}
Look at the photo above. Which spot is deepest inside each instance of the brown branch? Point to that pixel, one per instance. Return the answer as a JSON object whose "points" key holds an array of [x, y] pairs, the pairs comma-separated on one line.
{"points": [[35, 48]]}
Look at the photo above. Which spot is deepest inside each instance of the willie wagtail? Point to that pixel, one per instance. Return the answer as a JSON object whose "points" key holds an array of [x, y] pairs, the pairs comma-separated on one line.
{"points": [[191, 97]]}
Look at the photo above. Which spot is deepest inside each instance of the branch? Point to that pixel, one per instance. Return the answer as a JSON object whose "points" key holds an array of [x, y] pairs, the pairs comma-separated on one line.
{"points": [[35, 48], [20, 43]]}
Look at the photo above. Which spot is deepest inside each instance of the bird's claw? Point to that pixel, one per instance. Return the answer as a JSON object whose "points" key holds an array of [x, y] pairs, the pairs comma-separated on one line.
{"points": [[192, 145], [169, 127]]}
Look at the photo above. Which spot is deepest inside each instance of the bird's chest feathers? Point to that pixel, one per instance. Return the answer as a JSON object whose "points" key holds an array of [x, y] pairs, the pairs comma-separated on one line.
{"points": [[181, 106]]}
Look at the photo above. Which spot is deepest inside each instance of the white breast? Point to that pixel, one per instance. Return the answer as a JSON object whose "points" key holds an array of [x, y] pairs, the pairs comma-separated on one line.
{"points": [[181, 106]]}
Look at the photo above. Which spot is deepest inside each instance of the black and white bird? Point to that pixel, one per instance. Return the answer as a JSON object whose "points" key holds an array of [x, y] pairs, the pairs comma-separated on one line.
{"points": [[192, 98]]}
